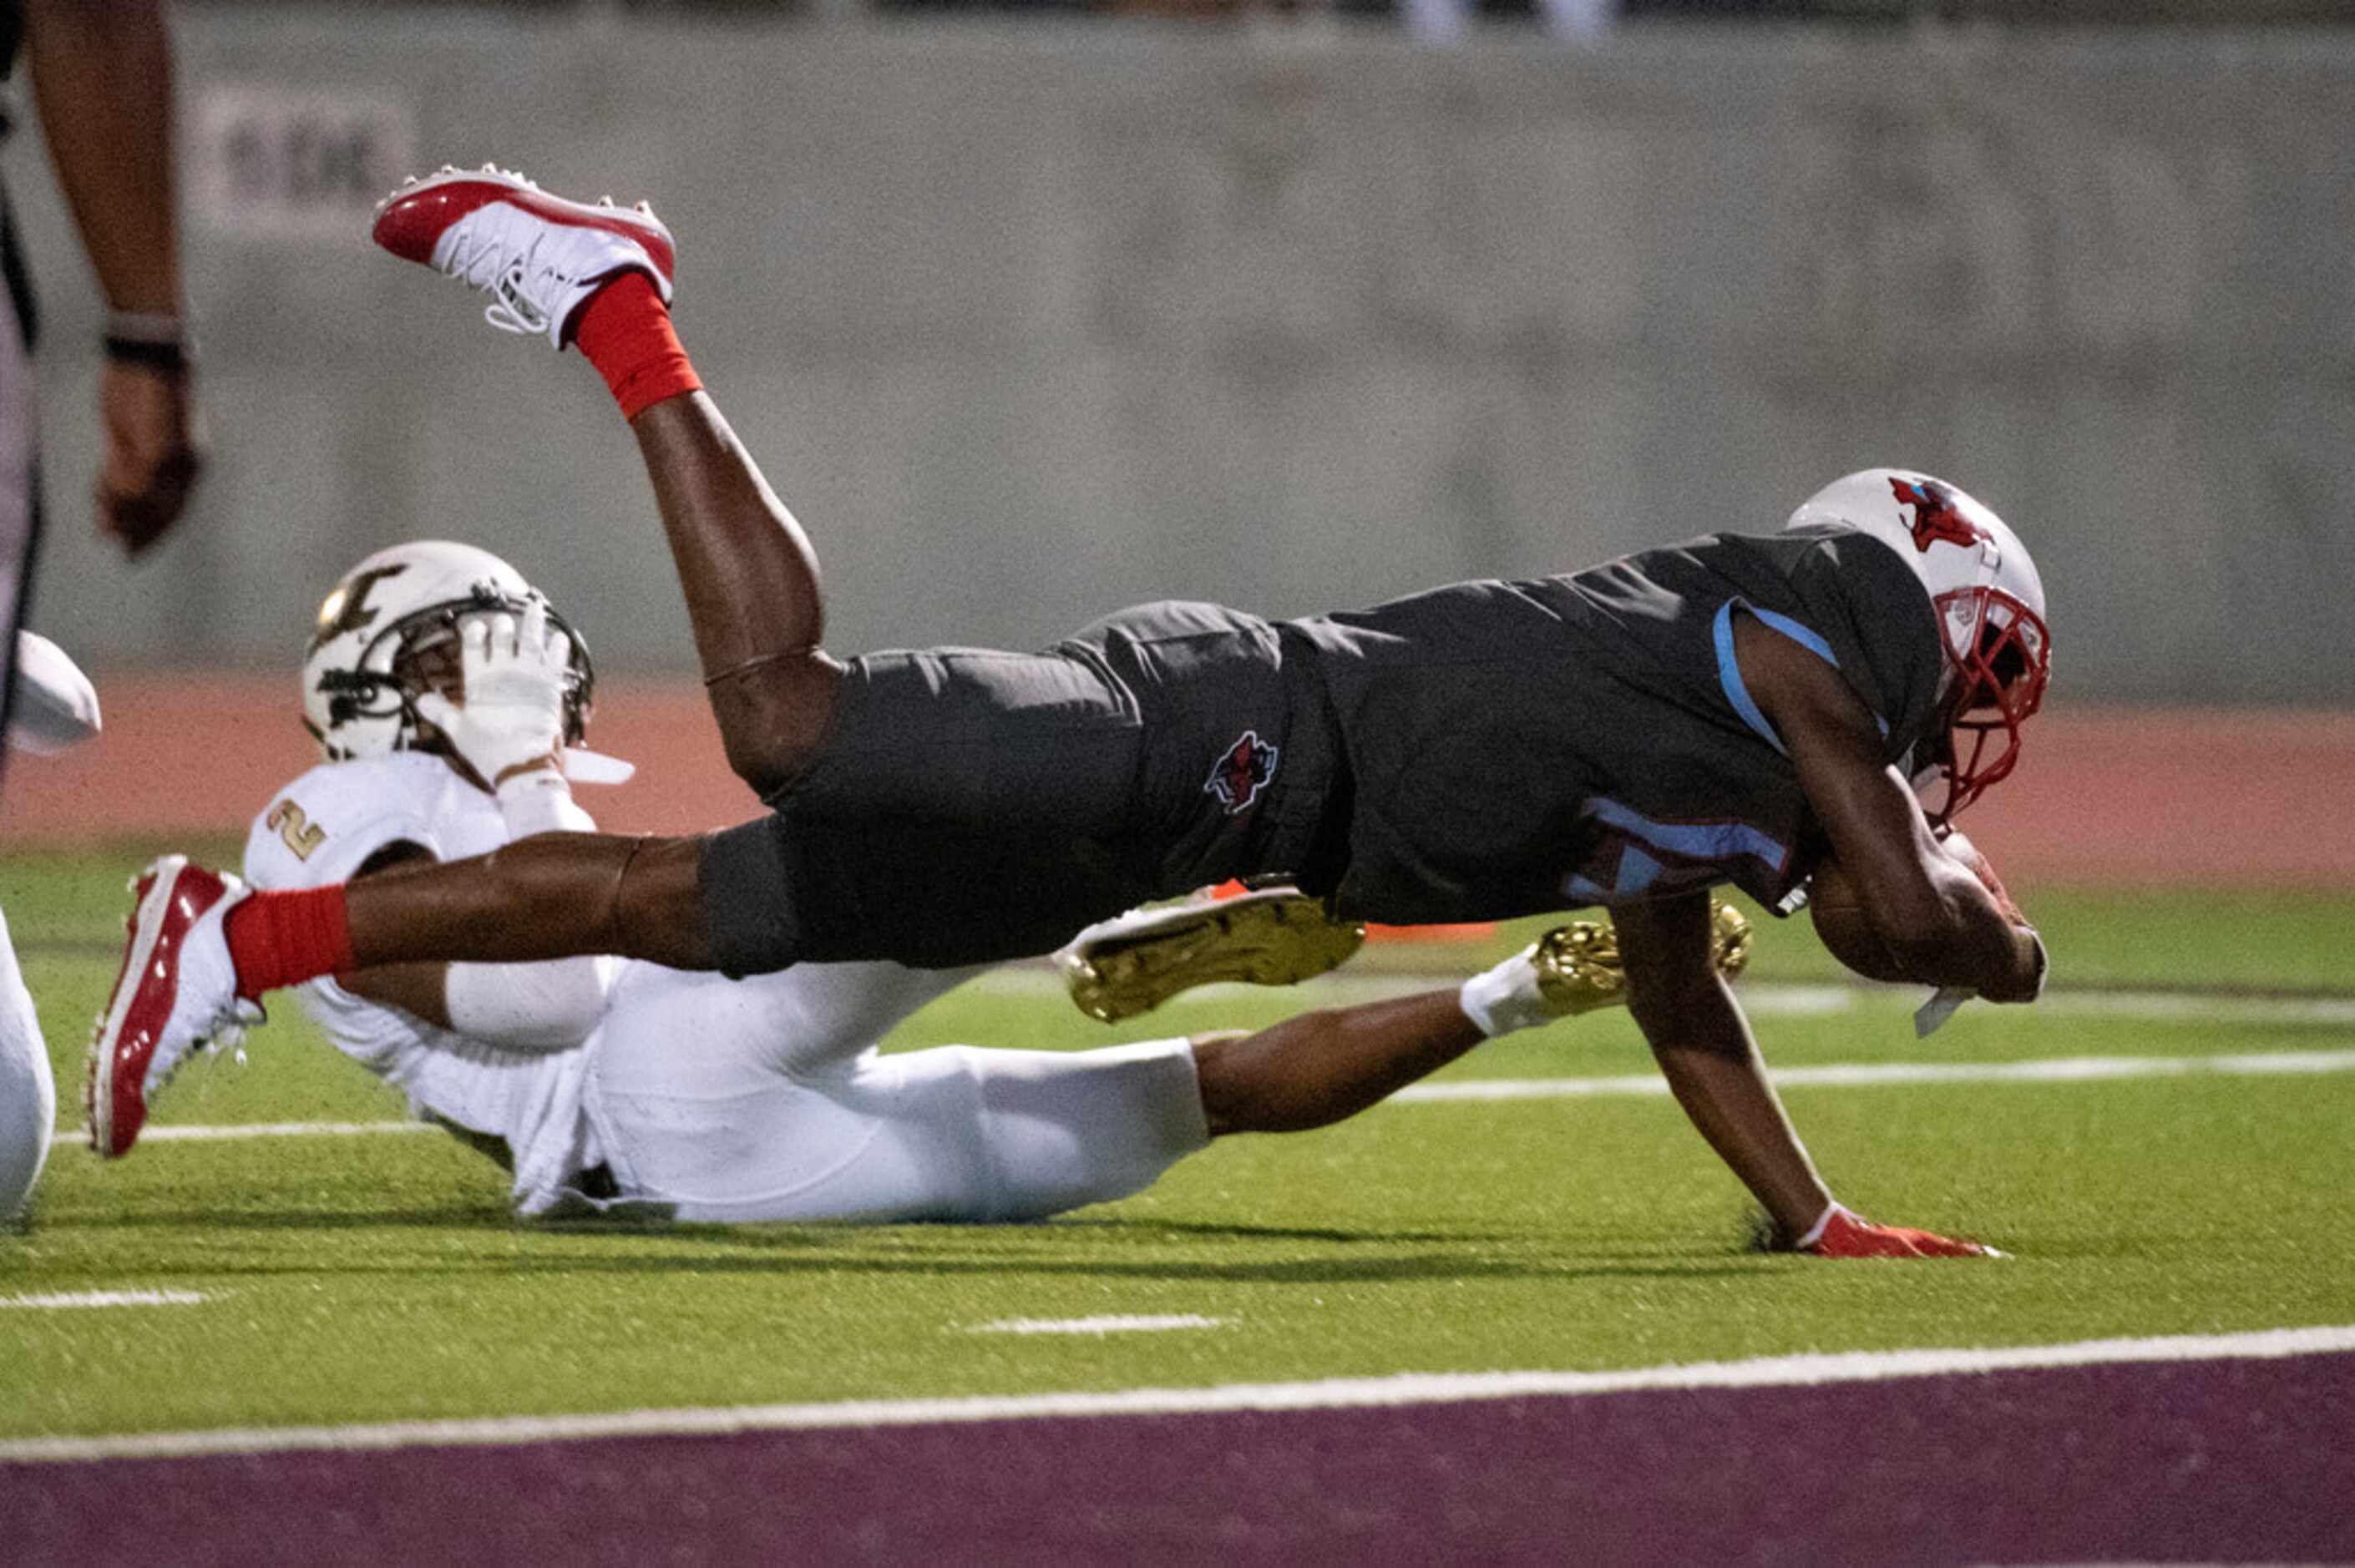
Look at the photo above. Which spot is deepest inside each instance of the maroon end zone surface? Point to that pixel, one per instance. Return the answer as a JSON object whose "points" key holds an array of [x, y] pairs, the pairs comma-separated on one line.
{"points": [[2117, 797], [2211, 1461]]}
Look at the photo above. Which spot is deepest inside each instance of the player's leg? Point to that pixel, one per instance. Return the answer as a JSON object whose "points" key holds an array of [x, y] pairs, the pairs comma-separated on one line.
{"points": [[599, 277], [814, 1017], [1325, 1065], [960, 1134], [705, 1102], [552, 895], [749, 577], [28, 1093]]}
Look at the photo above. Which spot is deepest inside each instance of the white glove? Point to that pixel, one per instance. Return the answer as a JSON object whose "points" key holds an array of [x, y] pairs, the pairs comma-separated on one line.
{"points": [[513, 716]]}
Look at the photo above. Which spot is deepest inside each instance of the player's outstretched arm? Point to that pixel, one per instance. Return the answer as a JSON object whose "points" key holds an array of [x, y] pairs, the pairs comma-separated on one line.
{"points": [[1940, 922], [102, 72], [1704, 1046], [1702, 1042]]}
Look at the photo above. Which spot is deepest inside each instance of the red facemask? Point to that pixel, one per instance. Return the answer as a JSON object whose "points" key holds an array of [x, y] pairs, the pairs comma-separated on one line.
{"points": [[2000, 656]]}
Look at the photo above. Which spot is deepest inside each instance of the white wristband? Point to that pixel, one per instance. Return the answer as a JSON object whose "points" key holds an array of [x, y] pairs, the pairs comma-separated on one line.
{"points": [[1823, 1223], [540, 802]]}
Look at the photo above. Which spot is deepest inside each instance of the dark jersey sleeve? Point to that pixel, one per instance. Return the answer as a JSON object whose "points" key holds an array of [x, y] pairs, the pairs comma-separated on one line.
{"points": [[1522, 747]]}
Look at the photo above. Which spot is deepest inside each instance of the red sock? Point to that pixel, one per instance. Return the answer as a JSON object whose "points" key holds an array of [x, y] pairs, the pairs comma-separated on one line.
{"points": [[624, 331], [283, 939]]}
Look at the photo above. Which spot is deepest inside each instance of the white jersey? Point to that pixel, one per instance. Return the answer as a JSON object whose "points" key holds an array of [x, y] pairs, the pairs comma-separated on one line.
{"points": [[706, 1098], [324, 827]]}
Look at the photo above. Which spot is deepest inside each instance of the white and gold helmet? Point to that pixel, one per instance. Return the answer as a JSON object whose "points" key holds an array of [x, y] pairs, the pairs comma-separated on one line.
{"points": [[389, 622]]}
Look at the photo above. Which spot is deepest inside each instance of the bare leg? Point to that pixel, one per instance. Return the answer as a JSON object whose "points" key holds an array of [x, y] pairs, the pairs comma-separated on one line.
{"points": [[751, 588], [555, 896], [752, 585], [1323, 1066]]}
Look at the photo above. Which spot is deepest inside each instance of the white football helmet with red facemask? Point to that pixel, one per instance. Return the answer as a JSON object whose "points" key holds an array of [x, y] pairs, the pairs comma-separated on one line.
{"points": [[1990, 607]]}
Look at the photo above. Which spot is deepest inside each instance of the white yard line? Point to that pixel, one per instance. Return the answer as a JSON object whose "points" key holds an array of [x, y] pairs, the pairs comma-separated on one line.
{"points": [[1873, 1074], [1782, 1000], [273, 1129], [1131, 1324], [1333, 1393], [70, 1299], [1837, 1074]]}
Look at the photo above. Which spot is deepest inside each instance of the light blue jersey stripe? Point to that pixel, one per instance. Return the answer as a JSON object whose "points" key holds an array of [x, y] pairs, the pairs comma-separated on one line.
{"points": [[1728, 671], [1712, 842]]}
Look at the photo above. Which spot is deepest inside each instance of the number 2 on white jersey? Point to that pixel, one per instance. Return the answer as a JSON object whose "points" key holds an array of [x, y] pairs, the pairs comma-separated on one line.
{"points": [[302, 836]]}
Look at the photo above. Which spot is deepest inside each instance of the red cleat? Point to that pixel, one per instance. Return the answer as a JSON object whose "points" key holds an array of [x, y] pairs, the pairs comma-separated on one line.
{"points": [[1849, 1236], [177, 992], [540, 257]]}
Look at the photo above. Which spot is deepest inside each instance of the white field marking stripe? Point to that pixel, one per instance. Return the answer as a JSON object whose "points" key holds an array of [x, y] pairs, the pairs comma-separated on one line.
{"points": [[273, 1129], [1838, 1074], [103, 1298], [1333, 1393], [1869, 1075], [1106, 1325], [1344, 990], [1783, 1001]]}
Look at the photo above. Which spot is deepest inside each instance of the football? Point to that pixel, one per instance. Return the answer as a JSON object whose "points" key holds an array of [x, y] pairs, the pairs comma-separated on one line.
{"points": [[1844, 926]]}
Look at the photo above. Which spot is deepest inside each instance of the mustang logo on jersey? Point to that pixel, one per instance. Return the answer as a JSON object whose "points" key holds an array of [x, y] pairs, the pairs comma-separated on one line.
{"points": [[1936, 517], [1241, 773]]}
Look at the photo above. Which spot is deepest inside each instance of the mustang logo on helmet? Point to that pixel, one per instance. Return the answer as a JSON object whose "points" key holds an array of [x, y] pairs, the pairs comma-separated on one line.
{"points": [[1936, 519]]}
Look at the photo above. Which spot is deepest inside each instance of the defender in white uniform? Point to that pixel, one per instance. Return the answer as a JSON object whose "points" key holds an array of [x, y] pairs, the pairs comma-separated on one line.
{"points": [[605, 1082]]}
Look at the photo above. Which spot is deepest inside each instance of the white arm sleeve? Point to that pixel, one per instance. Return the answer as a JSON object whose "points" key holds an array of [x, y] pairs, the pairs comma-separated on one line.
{"points": [[548, 1006]]}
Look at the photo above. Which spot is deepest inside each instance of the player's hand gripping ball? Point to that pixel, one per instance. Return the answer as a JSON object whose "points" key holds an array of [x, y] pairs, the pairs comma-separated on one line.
{"points": [[1836, 907]]}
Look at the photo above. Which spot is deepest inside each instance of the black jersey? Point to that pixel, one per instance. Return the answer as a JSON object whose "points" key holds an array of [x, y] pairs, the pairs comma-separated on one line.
{"points": [[1515, 747]]}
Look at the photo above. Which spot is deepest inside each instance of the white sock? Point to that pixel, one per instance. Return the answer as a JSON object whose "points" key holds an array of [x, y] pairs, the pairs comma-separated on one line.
{"points": [[1504, 999]]}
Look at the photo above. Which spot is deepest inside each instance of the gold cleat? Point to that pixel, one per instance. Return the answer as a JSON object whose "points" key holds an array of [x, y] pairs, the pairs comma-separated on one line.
{"points": [[1134, 963], [1578, 968], [1729, 939]]}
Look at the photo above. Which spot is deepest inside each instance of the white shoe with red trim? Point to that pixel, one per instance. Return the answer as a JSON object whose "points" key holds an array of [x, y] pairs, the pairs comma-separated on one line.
{"points": [[539, 256], [177, 992]]}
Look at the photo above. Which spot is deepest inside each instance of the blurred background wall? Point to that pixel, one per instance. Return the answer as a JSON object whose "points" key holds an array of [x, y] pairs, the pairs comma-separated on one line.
{"points": [[1028, 320]]}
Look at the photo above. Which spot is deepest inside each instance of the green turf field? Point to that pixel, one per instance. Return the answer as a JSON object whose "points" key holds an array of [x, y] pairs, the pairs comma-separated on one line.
{"points": [[380, 1277]]}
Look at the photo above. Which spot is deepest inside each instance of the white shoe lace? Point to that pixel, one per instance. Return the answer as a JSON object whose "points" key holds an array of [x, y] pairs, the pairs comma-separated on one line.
{"points": [[224, 1033], [482, 259]]}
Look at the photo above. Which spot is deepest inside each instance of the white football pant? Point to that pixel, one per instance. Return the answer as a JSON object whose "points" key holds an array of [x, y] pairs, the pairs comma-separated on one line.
{"points": [[764, 1099], [28, 1094]]}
